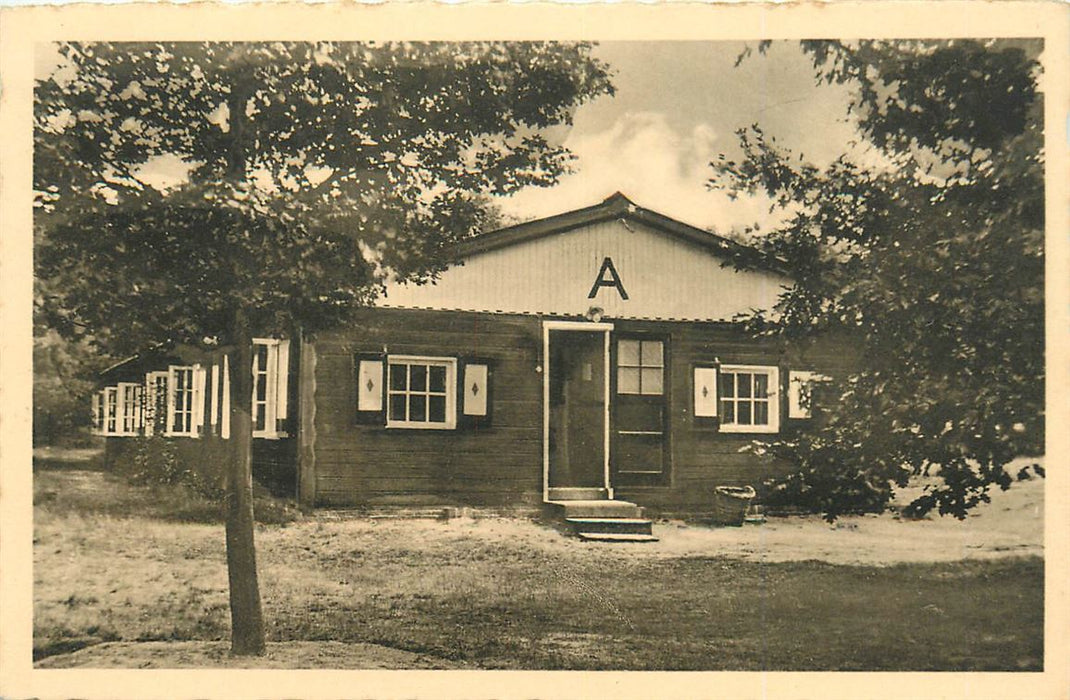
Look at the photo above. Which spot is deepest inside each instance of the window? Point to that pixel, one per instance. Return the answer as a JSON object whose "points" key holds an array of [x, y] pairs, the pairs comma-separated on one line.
{"points": [[185, 407], [640, 367], [800, 393], [155, 396], [129, 420], [748, 398], [111, 410], [421, 392], [271, 363]]}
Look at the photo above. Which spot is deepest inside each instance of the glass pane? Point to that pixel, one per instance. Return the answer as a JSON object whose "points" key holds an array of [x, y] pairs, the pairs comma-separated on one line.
{"points": [[652, 381], [761, 413], [744, 413], [728, 411], [727, 386], [627, 380], [258, 422], [261, 387], [417, 377], [436, 409], [628, 353], [397, 377], [652, 353], [743, 385], [260, 359], [417, 407], [397, 407], [761, 386], [438, 378]]}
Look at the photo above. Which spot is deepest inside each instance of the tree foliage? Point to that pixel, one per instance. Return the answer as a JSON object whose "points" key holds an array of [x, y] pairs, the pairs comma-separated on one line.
{"points": [[308, 173], [313, 171], [930, 255]]}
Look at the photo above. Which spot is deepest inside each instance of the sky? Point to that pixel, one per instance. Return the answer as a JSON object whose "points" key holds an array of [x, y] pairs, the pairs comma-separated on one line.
{"points": [[677, 106]]}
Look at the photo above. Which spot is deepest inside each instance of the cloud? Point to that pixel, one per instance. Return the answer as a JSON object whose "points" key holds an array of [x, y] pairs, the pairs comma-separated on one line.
{"points": [[643, 156]]}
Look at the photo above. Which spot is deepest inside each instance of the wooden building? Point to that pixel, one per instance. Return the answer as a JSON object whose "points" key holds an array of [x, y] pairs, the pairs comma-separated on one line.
{"points": [[587, 356]]}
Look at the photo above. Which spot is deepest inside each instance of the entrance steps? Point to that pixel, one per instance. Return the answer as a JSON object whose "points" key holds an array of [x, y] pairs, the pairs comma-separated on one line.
{"points": [[591, 515]]}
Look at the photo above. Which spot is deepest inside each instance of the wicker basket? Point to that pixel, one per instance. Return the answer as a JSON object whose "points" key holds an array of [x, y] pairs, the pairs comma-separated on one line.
{"points": [[730, 504]]}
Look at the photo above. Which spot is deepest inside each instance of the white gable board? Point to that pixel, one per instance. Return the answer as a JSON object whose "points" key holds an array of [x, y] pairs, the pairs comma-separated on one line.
{"points": [[662, 276]]}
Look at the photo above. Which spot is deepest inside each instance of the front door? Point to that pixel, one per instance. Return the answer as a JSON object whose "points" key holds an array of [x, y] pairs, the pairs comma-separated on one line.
{"points": [[577, 408]]}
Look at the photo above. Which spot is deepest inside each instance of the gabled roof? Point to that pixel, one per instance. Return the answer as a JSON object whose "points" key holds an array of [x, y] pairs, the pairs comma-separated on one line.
{"points": [[617, 206]]}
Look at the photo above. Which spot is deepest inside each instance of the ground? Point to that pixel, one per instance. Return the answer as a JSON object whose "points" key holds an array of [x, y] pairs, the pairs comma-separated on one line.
{"points": [[867, 593]]}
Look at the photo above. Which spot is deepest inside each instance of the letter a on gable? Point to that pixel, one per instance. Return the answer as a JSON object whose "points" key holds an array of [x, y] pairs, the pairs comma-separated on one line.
{"points": [[612, 281]]}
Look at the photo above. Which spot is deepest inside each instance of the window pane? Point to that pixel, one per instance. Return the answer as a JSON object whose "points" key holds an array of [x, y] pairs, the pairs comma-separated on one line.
{"points": [[652, 381], [628, 353], [761, 386], [761, 413], [397, 407], [726, 388], [743, 385], [652, 353], [436, 409], [627, 380], [728, 411], [398, 379], [744, 413], [417, 377], [437, 378], [261, 387], [417, 407], [258, 421]]}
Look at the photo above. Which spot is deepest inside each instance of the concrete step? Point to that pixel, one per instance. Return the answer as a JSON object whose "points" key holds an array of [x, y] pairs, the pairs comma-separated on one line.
{"points": [[596, 509], [607, 526], [574, 493], [616, 537]]}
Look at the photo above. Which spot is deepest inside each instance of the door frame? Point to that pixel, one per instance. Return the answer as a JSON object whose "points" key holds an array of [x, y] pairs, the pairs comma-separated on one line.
{"points": [[578, 327]]}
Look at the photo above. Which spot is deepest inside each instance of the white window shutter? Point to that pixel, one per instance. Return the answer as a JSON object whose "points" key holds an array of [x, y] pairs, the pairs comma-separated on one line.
{"points": [[475, 390], [705, 392], [370, 386], [224, 417], [283, 380], [199, 376]]}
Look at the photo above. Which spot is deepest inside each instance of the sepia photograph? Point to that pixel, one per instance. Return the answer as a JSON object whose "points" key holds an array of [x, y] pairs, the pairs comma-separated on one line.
{"points": [[625, 354]]}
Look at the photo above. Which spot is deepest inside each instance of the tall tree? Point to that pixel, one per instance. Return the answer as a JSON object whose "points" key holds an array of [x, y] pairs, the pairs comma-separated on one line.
{"points": [[932, 260], [304, 175]]}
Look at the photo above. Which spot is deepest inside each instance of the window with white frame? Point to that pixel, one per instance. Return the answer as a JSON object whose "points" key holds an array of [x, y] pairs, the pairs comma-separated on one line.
{"points": [[111, 410], [421, 392], [129, 420], [155, 402], [749, 401], [271, 362], [640, 367], [185, 408]]}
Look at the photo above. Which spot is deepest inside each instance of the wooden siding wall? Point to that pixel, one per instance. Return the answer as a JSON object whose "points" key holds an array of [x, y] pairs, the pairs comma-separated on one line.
{"points": [[499, 464], [664, 277], [358, 464], [702, 457]]}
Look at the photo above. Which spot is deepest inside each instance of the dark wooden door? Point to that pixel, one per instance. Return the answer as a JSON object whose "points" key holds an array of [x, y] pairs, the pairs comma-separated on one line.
{"points": [[577, 408], [639, 412]]}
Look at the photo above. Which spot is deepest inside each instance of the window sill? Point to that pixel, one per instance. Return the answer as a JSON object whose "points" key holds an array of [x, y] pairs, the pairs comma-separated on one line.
{"points": [[750, 429]]}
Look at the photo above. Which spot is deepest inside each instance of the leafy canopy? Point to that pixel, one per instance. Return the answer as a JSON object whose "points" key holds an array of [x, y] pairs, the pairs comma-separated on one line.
{"points": [[305, 173], [930, 255]]}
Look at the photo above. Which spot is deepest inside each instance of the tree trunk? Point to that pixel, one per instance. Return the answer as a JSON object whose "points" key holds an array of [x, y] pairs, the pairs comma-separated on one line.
{"points": [[246, 618]]}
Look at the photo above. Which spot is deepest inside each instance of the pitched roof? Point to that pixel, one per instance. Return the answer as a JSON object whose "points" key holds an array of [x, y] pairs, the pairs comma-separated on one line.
{"points": [[617, 206]]}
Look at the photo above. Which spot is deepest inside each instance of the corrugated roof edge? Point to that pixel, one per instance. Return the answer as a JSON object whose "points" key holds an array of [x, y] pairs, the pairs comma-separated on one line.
{"points": [[618, 206]]}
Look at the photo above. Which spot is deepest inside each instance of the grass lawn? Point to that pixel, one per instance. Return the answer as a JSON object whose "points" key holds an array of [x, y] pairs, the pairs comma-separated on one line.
{"points": [[516, 595]]}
